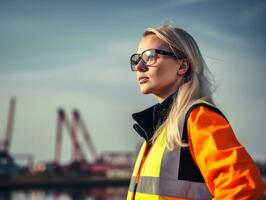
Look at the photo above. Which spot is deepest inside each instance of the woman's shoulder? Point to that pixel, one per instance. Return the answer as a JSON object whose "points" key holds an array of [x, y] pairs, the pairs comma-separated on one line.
{"points": [[203, 110], [203, 114], [207, 126]]}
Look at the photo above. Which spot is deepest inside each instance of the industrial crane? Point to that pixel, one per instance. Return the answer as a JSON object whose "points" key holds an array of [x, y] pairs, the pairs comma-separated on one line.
{"points": [[106, 163], [7, 164], [72, 128]]}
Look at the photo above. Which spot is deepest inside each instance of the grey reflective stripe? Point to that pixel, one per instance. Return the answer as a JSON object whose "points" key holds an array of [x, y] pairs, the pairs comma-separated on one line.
{"points": [[170, 163], [174, 188], [132, 184], [171, 159]]}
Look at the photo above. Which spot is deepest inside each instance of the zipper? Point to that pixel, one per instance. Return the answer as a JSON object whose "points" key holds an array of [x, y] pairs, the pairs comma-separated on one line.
{"points": [[146, 154], [147, 151]]}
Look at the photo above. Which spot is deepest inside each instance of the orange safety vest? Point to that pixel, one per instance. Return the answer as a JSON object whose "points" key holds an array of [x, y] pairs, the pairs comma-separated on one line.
{"points": [[159, 173]]}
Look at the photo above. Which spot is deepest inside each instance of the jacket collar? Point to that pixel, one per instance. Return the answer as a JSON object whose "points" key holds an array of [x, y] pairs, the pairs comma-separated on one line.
{"points": [[148, 120]]}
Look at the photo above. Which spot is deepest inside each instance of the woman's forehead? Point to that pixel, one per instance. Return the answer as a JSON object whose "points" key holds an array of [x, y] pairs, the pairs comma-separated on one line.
{"points": [[151, 41]]}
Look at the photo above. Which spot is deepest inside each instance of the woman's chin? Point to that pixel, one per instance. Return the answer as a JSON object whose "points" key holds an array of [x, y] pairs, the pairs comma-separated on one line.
{"points": [[145, 90]]}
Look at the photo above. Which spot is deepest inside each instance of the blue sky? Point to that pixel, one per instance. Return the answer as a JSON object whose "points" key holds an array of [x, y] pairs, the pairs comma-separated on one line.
{"points": [[75, 54]]}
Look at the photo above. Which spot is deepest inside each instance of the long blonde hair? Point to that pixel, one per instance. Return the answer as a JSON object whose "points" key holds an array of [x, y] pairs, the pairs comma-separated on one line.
{"points": [[195, 84]]}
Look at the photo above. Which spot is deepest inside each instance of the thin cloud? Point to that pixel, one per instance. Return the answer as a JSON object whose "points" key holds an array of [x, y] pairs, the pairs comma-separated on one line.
{"points": [[76, 75], [222, 36], [254, 11], [175, 3], [166, 5], [123, 47]]}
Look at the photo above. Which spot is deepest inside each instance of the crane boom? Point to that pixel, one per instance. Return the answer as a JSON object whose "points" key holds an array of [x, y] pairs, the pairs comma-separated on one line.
{"points": [[86, 134], [58, 143], [77, 154], [10, 124]]}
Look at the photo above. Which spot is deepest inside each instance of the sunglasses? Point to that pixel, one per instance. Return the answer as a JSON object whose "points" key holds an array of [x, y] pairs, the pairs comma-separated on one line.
{"points": [[148, 57]]}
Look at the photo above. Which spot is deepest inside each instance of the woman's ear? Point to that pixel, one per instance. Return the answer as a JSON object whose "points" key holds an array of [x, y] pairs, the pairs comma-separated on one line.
{"points": [[183, 67]]}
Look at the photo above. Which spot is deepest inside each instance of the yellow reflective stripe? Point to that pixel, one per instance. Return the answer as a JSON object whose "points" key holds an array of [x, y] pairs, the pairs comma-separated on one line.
{"points": [[174, 188]]}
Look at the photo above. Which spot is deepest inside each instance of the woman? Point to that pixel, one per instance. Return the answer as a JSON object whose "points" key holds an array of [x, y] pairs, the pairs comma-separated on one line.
{"points": [[190, 150]]}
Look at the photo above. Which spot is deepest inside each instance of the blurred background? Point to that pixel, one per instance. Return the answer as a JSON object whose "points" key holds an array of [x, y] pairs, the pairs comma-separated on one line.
{"points": [[75, 55]]}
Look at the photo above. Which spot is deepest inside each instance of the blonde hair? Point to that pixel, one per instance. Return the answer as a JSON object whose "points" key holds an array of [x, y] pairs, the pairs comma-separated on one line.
{"points": [[195, 84]]}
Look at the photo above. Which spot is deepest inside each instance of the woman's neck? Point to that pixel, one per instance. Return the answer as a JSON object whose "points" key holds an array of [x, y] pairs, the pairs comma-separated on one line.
{"points": [[163, 94], [162, 99]]}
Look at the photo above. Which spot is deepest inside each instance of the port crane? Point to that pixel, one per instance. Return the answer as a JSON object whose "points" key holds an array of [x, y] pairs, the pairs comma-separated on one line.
{"points": [[72, 128], [8, 166], [99, 163]]}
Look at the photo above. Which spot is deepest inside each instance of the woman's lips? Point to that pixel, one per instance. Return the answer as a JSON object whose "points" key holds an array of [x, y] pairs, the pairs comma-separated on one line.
{"points": [[143, 80]]}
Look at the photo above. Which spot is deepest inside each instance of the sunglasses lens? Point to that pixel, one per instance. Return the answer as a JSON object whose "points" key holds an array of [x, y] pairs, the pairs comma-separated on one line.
{"points": [[135, 58], [149, 57]]}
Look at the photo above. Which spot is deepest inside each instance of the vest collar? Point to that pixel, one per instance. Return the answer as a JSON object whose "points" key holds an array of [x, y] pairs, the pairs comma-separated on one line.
{"points": [[148, 120]]}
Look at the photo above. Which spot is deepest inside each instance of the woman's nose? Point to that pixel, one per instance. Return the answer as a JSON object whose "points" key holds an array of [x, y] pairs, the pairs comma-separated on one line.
{"points": [[141, 66]]}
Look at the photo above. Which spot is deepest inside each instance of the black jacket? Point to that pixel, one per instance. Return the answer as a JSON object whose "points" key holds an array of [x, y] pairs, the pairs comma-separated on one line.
{"points": [[148, 120]]}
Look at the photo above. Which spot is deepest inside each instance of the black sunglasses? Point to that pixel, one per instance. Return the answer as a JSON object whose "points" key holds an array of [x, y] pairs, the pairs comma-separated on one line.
{"points": [[149, 57]]}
